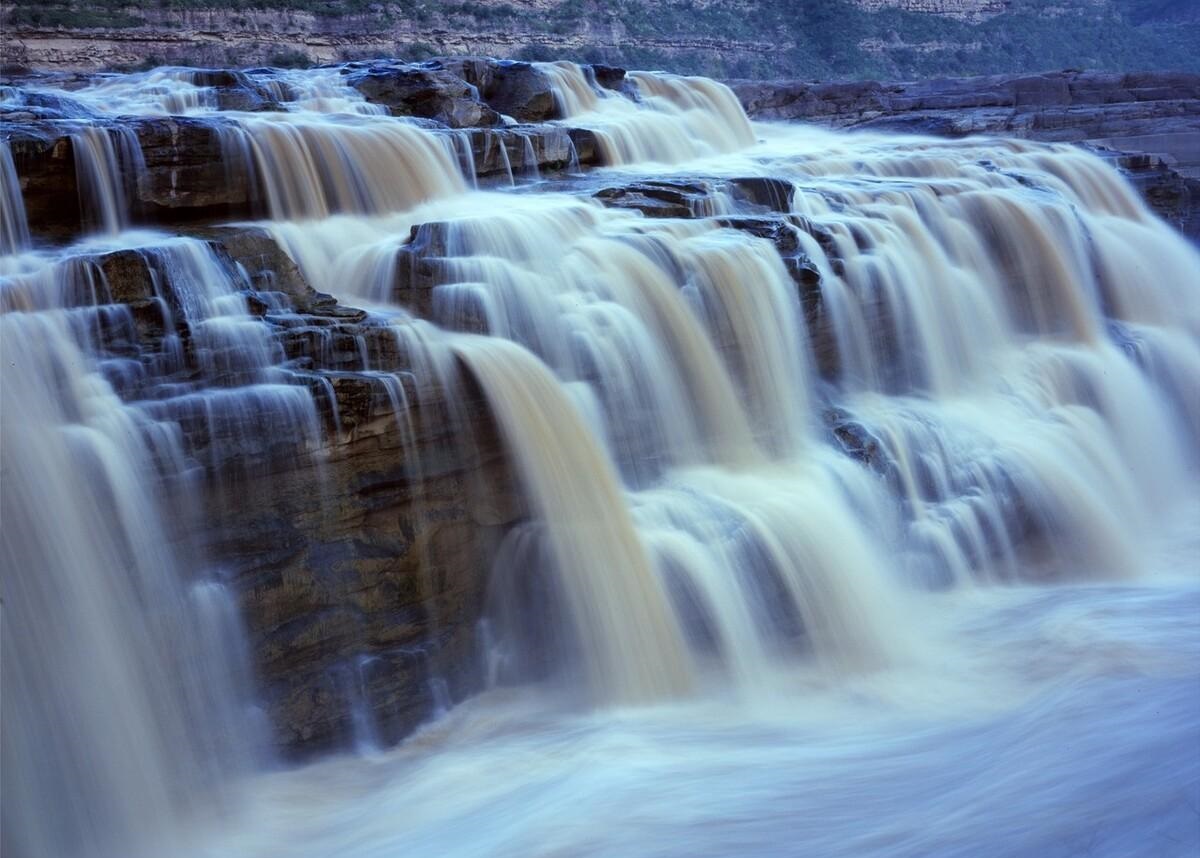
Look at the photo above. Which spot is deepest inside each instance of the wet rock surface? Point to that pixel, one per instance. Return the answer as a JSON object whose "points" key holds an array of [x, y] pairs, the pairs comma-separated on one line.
{"points": [[201, 167], [659, 199], [426, 92], [186, 173], [358, 547]]}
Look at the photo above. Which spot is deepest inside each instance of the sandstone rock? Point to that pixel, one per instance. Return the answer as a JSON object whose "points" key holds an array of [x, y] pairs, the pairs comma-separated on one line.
{"points": [[431, 93], [235, 90], [587, 150], [127, 276], [45, 166], [522, 91], [846, 104], [369, 568], [479, 72], [659, 198], [610, 77], [193, 170], [268, 267], [188, 173]]}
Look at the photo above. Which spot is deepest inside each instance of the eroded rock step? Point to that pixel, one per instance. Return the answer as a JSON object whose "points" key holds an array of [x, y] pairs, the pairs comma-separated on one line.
{"points": [[358, 545], [190, 173], [198, 167]]}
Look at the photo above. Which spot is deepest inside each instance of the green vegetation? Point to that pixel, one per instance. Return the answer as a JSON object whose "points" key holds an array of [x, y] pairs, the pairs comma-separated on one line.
{"points": [[291, 59], [783, 38], [54, 15]]}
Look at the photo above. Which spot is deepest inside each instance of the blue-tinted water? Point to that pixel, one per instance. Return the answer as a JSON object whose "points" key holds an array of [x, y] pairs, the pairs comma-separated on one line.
{"points": [[1051, 721]]}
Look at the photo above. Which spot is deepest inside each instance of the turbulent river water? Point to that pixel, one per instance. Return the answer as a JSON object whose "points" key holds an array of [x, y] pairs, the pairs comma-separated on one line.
{"points": [[1040, 723], [906, 565]]}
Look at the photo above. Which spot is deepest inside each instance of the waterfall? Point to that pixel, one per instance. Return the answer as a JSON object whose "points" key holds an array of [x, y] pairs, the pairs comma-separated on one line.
{"points": [[315, 169], [678, 119], [106, 161], [14, 228], [127, 686], [968, 315], [121, 699], [755, 434], [632, 645]]}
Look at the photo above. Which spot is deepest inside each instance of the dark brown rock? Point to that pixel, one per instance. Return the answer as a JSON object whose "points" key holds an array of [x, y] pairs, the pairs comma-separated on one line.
{"points": [[188, 173], [432, 93], [127, 276], [370, 568], [528, 149], [45, 166], [659, 198], [522, 91], [193, 170], [772, 194], [609, 77], [266, 264]]}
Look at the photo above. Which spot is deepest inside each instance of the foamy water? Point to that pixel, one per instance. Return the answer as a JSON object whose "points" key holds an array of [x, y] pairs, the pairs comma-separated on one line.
{"points": [[976, 634], [1039, 722]]}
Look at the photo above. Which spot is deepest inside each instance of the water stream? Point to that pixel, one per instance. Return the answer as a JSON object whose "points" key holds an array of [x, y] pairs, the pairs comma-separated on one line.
{"points": [[900, 564]]}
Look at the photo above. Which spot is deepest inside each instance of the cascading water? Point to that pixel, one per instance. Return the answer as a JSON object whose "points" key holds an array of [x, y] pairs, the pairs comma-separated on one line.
{"points": [[104, 162], [127, 704], [121, 703], [773, 453], [14, 228], [681, 118]]}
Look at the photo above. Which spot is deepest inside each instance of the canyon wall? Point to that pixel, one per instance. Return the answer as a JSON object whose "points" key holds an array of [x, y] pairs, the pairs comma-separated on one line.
{"points": [[965, 10], [723, 38]]}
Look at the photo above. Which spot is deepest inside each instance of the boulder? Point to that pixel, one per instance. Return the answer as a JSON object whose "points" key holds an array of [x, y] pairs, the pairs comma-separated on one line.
{"points": [[610, 77], [522, 91], [675, 198], [774, 195], [235, 90], [430, 93]]}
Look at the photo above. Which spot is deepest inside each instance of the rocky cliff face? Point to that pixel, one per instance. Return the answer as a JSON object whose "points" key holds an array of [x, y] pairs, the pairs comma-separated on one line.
{"points": [[259, 36], [964, 10], [825, 38]]}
